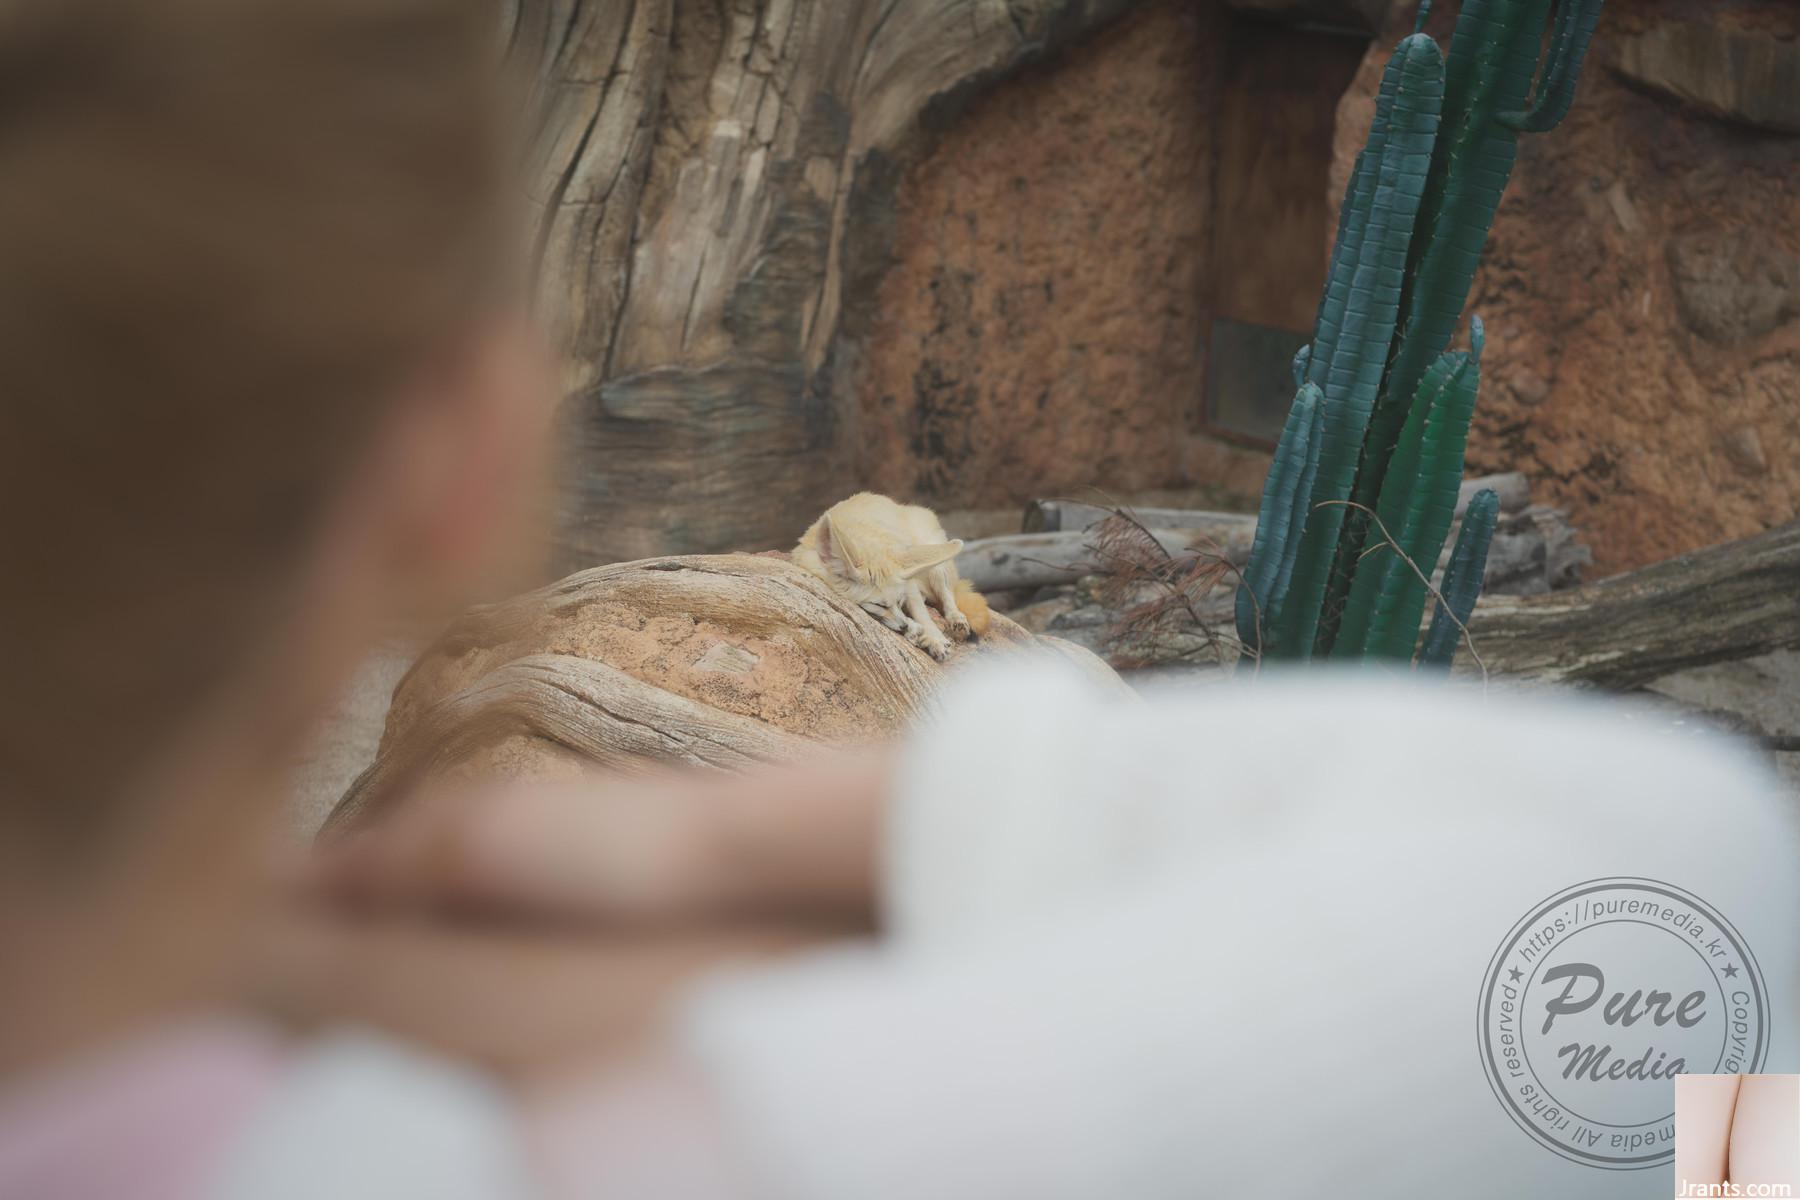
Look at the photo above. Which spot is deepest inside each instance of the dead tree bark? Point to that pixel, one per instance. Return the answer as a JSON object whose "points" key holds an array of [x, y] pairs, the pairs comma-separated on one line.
{"points": [[1031, 560], [712, 175], [1726, 602], [1534, 548], [1046, 516]]}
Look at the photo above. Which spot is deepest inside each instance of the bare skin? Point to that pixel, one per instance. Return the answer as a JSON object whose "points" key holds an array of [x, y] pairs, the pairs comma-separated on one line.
{"points": [[1765, 1131], [533, 1002], [578, 911], [1703, 1109], [1738, 1129], [781, 843]]}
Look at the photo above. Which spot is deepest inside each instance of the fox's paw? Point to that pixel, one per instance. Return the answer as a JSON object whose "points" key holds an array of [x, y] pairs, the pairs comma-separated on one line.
{"points": [[958, 626], [933, 643], [889, 617]]}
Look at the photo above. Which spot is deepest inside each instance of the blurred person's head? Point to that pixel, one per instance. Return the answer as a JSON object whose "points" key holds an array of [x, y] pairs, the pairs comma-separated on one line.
{"points": [[265, 380]]}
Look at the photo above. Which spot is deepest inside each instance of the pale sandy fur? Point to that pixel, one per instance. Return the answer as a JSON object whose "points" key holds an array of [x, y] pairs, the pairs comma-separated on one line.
{"points": [[892, 559]]}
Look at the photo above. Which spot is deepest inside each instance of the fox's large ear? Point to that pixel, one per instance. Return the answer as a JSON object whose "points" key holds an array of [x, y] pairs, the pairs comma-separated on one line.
{"points": [[838, 546], [916, 559]]}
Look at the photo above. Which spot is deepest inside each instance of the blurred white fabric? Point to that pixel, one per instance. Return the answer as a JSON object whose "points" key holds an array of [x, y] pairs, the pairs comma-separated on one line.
{"points": [[360, 1117], [1226, 942]]}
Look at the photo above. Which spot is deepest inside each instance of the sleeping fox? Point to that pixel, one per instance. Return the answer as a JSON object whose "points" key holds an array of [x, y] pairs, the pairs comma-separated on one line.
{"points": [[890, 558]]}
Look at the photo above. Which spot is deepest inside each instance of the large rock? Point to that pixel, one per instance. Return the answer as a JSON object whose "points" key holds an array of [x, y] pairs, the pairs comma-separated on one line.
{"points": [[1731, 286], [1040, 317], [1748, 75], [709, 660], [1033, 328]]}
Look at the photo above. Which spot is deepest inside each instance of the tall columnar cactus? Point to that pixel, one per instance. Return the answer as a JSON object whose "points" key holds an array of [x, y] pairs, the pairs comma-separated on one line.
{"points": [[1386, 408], [1462, 582]]}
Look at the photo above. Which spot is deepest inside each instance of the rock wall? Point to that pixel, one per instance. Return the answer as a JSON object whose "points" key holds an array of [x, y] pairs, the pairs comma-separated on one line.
{"points": [[1641, 285], [1059, 253], [1038, 328], [1056, 257], [996, 249]]}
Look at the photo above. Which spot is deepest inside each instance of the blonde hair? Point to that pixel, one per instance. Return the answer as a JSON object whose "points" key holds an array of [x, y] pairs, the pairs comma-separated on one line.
{"points": [[226, 227]]}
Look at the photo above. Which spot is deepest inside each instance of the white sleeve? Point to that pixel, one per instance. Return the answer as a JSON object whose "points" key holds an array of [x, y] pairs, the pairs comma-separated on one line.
{"points": [[360, 1117], [1228, 942], [999, 815]]}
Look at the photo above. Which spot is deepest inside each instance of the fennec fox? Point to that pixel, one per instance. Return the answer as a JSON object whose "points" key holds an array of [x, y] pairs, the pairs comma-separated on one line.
{"points": [[890, 558]]}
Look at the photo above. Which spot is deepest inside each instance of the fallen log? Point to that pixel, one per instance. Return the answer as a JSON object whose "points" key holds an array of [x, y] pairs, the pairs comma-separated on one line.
{"points": [[1534, 550], [1726, 602], [1049, 516], [1032, 560]]}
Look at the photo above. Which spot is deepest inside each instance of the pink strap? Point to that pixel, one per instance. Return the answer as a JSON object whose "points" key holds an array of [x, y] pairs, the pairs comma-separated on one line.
{"points": [[146, 1119]]}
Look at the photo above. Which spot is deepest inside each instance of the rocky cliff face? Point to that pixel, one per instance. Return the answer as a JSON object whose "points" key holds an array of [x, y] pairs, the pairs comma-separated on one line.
{"points": [[1059, 257], [1036, 328], [976, 252], [1642, 282], [1053, 266]]}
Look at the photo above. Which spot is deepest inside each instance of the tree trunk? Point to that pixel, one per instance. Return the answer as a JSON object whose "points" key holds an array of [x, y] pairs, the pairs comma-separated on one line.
{"points": [[712, 175]]}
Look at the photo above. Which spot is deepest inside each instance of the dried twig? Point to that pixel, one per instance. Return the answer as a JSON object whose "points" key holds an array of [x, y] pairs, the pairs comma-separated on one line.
{"points": [[1424, 578], [1129, 559]]}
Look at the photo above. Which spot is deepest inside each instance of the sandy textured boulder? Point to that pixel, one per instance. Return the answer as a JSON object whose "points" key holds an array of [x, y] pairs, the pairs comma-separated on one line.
{"points": [[715, 660]]}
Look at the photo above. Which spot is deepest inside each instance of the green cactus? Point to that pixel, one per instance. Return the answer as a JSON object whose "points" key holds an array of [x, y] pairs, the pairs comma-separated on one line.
{"points": [[1390, 420], [1487, 88], [1357, 315], [1387, 597], [1289, 485], [1462, 582]]}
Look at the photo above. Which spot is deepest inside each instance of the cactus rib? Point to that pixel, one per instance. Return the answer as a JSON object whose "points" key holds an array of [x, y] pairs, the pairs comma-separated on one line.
{"points": [[1575, 24], [1430, 502], [1353, 372], [1462, 582], [1285, 493], [1377, 577]]}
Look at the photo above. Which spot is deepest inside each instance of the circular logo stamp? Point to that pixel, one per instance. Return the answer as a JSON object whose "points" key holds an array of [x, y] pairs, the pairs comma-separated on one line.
{"points": [[1598, 997]]}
